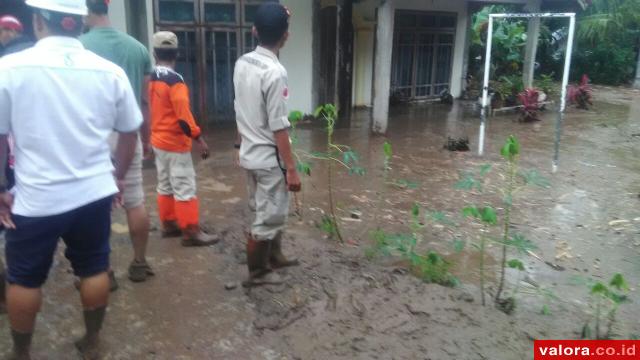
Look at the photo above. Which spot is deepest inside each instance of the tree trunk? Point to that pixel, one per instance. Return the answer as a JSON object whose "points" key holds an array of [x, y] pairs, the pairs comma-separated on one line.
{"points": [[636, 83]]}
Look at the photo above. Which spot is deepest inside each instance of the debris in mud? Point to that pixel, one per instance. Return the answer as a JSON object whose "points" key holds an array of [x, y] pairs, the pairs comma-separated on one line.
{"points": [[562, 251], [120, 229], [506, 305], [460, 144], [231, 285]]}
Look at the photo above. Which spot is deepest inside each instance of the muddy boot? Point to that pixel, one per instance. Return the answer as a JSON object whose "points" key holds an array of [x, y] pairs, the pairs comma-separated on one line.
{"points": [[170, 229], [277, 258], [3, 300], [194, 236], [258, 253], [139, 271], [21, 345], [89, 344]]}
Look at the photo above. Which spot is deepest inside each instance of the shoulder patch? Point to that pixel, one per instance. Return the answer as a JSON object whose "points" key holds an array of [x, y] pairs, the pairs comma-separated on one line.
{"points": [[167, 76], [254, 62]]}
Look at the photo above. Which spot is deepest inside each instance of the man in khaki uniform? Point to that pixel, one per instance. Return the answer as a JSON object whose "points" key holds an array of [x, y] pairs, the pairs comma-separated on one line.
{"points": [[261, 91]]}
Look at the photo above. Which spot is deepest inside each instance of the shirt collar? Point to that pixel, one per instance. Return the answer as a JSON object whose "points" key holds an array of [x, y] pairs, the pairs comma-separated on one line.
{"points": [[59, 41], [264, 51]]}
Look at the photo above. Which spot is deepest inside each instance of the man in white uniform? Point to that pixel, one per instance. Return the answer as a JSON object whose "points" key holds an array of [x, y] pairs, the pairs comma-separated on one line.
{"points": [[61, 103], [261, 91]]}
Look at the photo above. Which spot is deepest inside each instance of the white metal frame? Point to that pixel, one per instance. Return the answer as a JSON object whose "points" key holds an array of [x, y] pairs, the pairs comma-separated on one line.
{"points": [[565, 76]]}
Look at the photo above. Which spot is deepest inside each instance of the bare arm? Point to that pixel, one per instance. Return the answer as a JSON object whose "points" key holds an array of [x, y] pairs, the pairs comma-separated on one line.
{"points": [[125, 152], [284, 147], [145, 129], [4, 158], [6, 199]]}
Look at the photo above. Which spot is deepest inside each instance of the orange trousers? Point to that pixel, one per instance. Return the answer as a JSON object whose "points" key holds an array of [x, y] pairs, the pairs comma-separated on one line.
{"points": [[186, 213]]}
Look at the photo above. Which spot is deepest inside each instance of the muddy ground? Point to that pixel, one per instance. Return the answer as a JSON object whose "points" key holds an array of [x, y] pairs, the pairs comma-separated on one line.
{"points": [[341, 305]]}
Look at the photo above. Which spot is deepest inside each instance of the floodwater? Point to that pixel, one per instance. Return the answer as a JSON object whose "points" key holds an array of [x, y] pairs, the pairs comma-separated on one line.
{"points": [[339, 304]]}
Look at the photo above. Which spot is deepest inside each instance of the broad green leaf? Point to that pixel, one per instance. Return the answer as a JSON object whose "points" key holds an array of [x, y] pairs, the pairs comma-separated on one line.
{"points": [[304, 168], [545, 310], [357, 170], [488, 216], [600, 288], [471, 211], [295, 117], [318, 111], [466, 183], [618, 298], [349, 157], [484, 169], [532, 177], [458, 245], [388, 152], [516, 264], [511, 148], [619, 282], [415, 210], [520, 243], [433, 258], [440, 217]]}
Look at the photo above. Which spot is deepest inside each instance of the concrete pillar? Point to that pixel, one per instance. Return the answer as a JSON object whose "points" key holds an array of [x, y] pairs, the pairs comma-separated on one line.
{"points": [[636, 84], [533, 35], [382, 73], [117, 15]]}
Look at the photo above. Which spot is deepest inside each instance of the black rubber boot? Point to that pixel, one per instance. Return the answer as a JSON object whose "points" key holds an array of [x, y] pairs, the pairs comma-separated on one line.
{"points": [[260, 273], [89, 345], [3, 289], [21, 345], [277, 258]]}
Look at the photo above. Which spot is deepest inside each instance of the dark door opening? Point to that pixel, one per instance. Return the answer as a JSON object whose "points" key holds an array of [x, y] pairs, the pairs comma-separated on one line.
{"points": [[422, 54], [328, 24], [213, 35]]}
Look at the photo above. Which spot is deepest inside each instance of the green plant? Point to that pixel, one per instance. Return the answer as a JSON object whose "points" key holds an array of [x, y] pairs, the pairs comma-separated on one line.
{"points": [[335, 153], [606, 301], [303, 167], [507, 88], [488, 217], [430, 266], [515, 181], [387, 150], [546, 83]]}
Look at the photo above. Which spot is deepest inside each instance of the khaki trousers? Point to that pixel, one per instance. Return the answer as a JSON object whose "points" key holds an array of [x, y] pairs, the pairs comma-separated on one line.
{"points": [[176, 175], [268, 202]]}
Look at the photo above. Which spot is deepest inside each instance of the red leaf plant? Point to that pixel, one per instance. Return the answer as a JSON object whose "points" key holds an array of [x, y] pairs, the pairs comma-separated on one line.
{"points": [[581, 94], [531, 104]]}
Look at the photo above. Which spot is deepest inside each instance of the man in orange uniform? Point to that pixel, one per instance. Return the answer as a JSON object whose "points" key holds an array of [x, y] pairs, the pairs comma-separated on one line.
{"points": [[172, 130]]}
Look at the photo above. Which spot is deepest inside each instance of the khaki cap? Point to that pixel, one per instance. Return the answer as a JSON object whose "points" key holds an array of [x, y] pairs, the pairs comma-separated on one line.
{"points": [[164, 40]]}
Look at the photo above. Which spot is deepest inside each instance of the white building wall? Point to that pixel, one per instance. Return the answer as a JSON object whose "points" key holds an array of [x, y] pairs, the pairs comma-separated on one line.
{"points": [[117, 15], [364, 13], [297, 55]]}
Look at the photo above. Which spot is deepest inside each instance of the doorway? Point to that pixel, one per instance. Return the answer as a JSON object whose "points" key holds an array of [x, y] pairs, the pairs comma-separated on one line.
{"points": [[213, 34], [422, 54]]}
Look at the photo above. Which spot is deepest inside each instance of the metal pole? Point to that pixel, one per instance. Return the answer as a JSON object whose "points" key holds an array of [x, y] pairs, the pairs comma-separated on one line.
{"points": [[563, 96], [485, 87]]}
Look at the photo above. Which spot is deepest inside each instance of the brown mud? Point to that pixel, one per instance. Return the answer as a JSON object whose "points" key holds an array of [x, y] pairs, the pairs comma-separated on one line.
{"points": [[339, 304]]}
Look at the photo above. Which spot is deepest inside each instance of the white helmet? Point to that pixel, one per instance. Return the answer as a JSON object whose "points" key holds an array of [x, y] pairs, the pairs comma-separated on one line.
{"points": [[75, 7]]}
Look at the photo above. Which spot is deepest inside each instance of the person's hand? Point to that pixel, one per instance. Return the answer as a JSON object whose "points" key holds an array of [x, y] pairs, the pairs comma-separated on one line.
{"points": [[204, 148], [293, 181], [118, 199], [236, 157], [6, 204], [147, 151]]}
